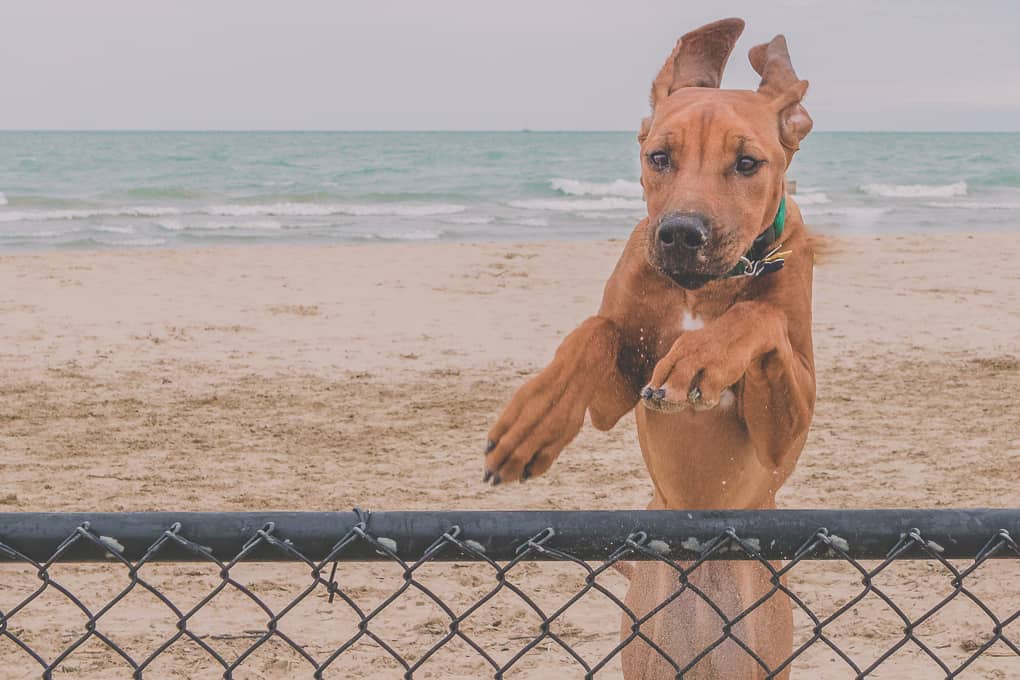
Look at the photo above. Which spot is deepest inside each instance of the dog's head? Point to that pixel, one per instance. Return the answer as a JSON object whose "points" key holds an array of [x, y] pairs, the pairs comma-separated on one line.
{"points": [[713, 161]]}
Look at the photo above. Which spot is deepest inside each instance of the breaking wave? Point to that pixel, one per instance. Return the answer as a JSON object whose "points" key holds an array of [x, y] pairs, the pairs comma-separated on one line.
{"points": [[84, 214], [916, 190], [414, 235], [266, 210], [574, 187], [817, 198], [111, 229], [133, 242], [471, 219], [325, 209], [975, 205], [580, 205], [532, 222]]}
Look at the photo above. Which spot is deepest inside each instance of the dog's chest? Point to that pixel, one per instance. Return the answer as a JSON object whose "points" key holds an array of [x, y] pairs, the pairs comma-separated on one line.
{"points": [[656, 341], [689, 321], [684, 319], [653, 341]]}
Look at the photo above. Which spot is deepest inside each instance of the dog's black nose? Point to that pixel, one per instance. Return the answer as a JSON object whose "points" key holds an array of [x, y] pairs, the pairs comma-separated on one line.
{"points": [[688, 231]]}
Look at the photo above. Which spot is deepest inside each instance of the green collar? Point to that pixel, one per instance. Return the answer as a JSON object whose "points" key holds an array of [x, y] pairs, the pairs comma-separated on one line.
{"points": [[780, 220], [762, 258]]}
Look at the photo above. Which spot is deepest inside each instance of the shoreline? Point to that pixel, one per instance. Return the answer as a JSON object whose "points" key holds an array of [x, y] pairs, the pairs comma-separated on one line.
{"points": [[298, 245]]}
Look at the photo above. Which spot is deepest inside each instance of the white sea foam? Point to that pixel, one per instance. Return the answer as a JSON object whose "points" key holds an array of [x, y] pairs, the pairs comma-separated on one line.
{"points": [[51, 215], [324, 209], [849, 214], [414, 235], [470, 219], [975, 205], [421, 235], [817, 198], [289, 209], [265, 210], [220, 225], [171, 225], [3, 199], [574, 187], [111, 229], [400, 210], [16, 235], [580, 205], [916, 190], [134, 242], [532, 222]]}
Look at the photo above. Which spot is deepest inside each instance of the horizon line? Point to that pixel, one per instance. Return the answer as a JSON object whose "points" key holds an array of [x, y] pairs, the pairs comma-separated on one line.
{"points": [[449, 130]]}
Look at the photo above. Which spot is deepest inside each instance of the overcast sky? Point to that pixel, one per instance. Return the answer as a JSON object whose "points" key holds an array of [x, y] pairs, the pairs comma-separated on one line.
{"points": [[482, 65]]}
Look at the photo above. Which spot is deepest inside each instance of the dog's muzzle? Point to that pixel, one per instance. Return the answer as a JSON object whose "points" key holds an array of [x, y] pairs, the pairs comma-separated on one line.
{"points": [[678, 249]]}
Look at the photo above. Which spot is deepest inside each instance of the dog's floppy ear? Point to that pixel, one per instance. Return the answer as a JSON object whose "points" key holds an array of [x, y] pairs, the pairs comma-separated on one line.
{"points": [[698, 59], [779, 82]]}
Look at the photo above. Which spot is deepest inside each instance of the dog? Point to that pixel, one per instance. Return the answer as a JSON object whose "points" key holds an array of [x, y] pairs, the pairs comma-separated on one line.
{"points": [[705, 331]]}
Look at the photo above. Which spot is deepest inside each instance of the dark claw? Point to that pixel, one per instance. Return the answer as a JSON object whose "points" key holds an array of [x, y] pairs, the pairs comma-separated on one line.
{"points": [[486, 477], [526, 475], [647, 392], [489, 446], [660, 393], [496, 480]]}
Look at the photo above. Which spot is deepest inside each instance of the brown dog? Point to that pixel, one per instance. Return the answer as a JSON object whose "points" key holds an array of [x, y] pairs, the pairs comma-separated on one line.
{"points": [[704, 325]]}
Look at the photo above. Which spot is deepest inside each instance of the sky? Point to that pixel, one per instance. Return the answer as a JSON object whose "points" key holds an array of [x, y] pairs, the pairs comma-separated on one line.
{"points": [[484, 65]]}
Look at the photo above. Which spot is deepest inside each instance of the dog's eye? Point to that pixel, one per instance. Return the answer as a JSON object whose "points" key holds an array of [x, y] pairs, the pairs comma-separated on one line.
{"points": [[747, 166], [659, 160]]}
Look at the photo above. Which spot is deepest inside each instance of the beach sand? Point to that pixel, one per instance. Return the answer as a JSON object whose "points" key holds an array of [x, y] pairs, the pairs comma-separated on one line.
{"points": [[322, 378]]}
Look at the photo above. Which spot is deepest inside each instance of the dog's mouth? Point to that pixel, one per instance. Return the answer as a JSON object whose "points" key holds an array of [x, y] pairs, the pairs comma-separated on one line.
{"points": [[688, 280], [691, 278]]}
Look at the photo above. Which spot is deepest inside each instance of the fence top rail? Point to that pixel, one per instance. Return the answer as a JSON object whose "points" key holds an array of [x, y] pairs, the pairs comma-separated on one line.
{"points": [[500, 535]]}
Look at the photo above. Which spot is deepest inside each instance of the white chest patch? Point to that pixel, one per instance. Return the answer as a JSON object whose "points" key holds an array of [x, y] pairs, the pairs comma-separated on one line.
{"points": [[689, 322], [727, 399]]}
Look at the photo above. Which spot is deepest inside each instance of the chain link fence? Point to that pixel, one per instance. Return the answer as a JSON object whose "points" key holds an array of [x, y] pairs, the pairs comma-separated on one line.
{"points": [[499, 594]]}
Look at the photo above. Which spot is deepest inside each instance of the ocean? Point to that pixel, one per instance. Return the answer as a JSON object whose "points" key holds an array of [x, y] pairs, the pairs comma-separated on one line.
{"points": [[61, 190]]}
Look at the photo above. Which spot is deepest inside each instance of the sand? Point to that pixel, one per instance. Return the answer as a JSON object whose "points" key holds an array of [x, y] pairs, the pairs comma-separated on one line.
{"points": [[300, 378]]}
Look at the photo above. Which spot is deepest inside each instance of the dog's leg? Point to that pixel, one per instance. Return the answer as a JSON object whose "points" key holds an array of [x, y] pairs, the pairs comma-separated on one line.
{"points": [[547, 412], [748, 348]]}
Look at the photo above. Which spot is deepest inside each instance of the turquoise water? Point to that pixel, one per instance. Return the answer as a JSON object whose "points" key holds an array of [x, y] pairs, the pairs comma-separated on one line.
{"points": [[140, 189]]}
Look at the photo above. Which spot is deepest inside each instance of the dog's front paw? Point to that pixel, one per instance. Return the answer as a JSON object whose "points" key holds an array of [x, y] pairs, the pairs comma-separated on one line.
{"points": [[543, 417], [655, 399], [694, 374]]}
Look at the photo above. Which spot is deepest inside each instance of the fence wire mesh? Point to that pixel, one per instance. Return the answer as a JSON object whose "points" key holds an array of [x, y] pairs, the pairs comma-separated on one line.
{"points": [[462, 607]]}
